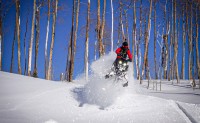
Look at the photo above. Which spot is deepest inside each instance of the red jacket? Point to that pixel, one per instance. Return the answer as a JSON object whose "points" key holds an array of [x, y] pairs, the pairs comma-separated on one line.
{"points": [[118, 51]]}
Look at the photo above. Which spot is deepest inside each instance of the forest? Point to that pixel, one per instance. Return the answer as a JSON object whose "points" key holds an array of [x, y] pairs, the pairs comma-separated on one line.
{"points": [[52, 39]]}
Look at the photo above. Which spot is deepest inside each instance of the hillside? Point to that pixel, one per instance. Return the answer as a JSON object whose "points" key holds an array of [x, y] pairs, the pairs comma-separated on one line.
{"points": [[26, 99]]}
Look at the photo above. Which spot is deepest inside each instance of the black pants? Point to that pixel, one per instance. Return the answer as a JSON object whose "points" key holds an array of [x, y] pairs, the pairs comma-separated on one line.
{"points": [[116, 61]]}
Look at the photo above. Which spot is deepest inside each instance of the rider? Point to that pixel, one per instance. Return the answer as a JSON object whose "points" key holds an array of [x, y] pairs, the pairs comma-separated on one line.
{"points": [[122, 53]]}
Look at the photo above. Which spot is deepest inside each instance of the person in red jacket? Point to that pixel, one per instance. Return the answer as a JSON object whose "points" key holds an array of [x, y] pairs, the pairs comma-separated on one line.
{"points": [[122, 53]]}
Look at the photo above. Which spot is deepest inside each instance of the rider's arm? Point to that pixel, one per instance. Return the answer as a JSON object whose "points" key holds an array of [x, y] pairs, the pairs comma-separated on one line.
{"points": [[129, 54], [118, 50]]}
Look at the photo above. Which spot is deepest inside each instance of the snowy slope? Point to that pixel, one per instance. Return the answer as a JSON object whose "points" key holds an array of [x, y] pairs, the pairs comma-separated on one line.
{"points": [[26, 99]]}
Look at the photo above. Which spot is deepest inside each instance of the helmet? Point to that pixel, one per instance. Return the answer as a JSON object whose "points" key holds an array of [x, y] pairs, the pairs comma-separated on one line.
{"points": [[125, 43]]}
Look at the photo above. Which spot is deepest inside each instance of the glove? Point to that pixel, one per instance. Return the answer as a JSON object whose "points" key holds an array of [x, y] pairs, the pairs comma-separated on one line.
{"points": [[130, 60]]}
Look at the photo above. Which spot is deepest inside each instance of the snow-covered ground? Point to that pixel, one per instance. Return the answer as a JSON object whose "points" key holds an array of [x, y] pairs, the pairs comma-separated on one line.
{"points": [[25, 99]]}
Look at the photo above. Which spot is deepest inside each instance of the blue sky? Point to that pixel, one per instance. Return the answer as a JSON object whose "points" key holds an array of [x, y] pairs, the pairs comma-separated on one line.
{"points": [[62, 34]]}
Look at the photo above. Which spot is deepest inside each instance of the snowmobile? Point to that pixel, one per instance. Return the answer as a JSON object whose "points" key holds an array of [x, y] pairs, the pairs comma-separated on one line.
{"points": [[119, 71]]}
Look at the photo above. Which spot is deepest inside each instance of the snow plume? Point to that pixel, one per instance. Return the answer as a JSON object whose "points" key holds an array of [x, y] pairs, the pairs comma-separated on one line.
{"points": [[98, 90]]}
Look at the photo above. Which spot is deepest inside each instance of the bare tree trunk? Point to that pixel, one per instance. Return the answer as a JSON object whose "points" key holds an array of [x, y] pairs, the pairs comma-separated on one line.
{"points": [[183, 47], [190, 44], [68, 59], [31, 41], [145, 66], [46, 42], [168, 38], [119, 33], [120, 19], [87, 41], [71, 45], [170, 52], [112, 25], [127, 34], [138, 44], [155, 38], [95, 51], [99, 30], [102, 27], [25, 46], [147, 39], [165, 39], [197, 44], [175, 45], [74, 45], [18, 35], [134, 35], [145, 31], [12, 56], [52, 40], [35, 73], [187, 24]]}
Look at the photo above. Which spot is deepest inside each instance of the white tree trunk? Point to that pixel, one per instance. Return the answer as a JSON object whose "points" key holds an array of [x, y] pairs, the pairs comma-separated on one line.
{"points": [[147, 36], [121, 22], [31, 41], [138, 50], [46, 42], [52, 41], [112, 26], [87, 41], [134, 36]]}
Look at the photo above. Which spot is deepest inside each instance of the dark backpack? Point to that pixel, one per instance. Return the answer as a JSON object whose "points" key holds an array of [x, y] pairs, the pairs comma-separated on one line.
{"points": [[123, 52]]}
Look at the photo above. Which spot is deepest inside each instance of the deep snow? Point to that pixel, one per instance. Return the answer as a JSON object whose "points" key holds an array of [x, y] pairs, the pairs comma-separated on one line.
{"points": [[25, 99]]}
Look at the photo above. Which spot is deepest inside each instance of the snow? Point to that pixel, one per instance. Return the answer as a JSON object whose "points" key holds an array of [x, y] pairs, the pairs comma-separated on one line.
{"points": [[26, 99]]}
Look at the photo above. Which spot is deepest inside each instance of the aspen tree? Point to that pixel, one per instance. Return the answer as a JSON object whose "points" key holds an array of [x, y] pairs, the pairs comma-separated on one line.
{"points": [[112, 25], [197, 43], [138, 44], [183, 46], [190, 42], [147, 39], [52, 41], [134, 35], [175, 45], [37, 25], [25, 65], [46, 41], [155, 38], [87, 41], [70, 51], [98, 30], [18, 35], [102, 28], [31, 40], [12, 56], [75, 38]]}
